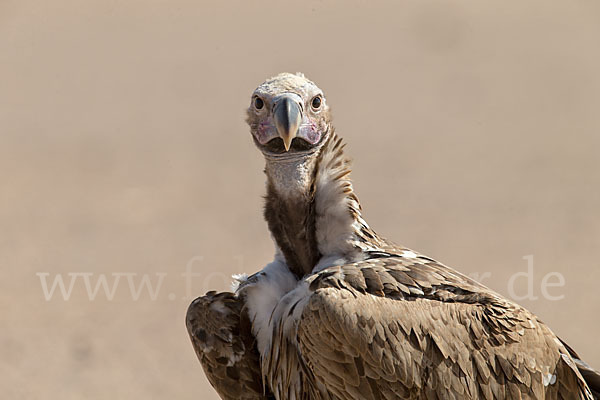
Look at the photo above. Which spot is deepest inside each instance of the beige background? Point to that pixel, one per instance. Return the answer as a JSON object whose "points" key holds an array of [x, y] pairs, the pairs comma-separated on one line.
{"points": [[474, 126]]}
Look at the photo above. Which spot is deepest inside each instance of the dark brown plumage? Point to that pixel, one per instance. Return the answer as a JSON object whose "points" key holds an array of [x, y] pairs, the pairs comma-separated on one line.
{"points": [[342, 313], [296, 237]]}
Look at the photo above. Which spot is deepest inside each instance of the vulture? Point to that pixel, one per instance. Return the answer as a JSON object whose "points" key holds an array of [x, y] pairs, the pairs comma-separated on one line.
{"points": [[343, 313]]}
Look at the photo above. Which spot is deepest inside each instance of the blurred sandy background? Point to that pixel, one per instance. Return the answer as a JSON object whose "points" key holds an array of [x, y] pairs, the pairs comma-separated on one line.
{"points": [[474, 125]]}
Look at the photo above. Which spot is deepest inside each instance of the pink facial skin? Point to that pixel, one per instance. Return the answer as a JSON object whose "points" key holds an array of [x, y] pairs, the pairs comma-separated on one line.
{"points": [[310, 132], [266, 131]]}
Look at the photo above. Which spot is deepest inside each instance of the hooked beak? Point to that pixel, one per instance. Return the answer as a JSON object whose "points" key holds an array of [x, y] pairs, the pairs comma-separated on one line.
{"points": [[287, 115]]}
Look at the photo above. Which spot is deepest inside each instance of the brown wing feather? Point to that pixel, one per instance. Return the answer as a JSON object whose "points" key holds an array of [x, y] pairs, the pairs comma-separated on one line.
{"points": [[220, 334], [410, 328], [591, 376]]}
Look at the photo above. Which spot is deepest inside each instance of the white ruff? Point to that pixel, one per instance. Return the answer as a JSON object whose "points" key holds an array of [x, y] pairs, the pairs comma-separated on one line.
{"points": [[274, 282]]}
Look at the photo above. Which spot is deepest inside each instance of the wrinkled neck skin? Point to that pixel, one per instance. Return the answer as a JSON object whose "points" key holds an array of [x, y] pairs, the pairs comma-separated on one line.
{"points": [[290, 176]]}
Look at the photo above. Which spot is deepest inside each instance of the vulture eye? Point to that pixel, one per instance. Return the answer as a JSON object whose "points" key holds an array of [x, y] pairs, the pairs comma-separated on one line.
{"points": [[258, 103], [316, 102]]}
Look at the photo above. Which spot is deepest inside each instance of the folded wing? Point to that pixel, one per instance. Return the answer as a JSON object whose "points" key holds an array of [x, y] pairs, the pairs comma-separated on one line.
{"points": [[394, 327], [220, 332]]}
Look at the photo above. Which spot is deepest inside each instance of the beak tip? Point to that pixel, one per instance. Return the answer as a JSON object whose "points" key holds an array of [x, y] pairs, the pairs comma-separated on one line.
{"points": [[287, 116]]}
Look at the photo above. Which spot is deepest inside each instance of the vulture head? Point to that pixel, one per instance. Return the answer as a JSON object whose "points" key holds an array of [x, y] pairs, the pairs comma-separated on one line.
{"points": [[288, 115]]}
